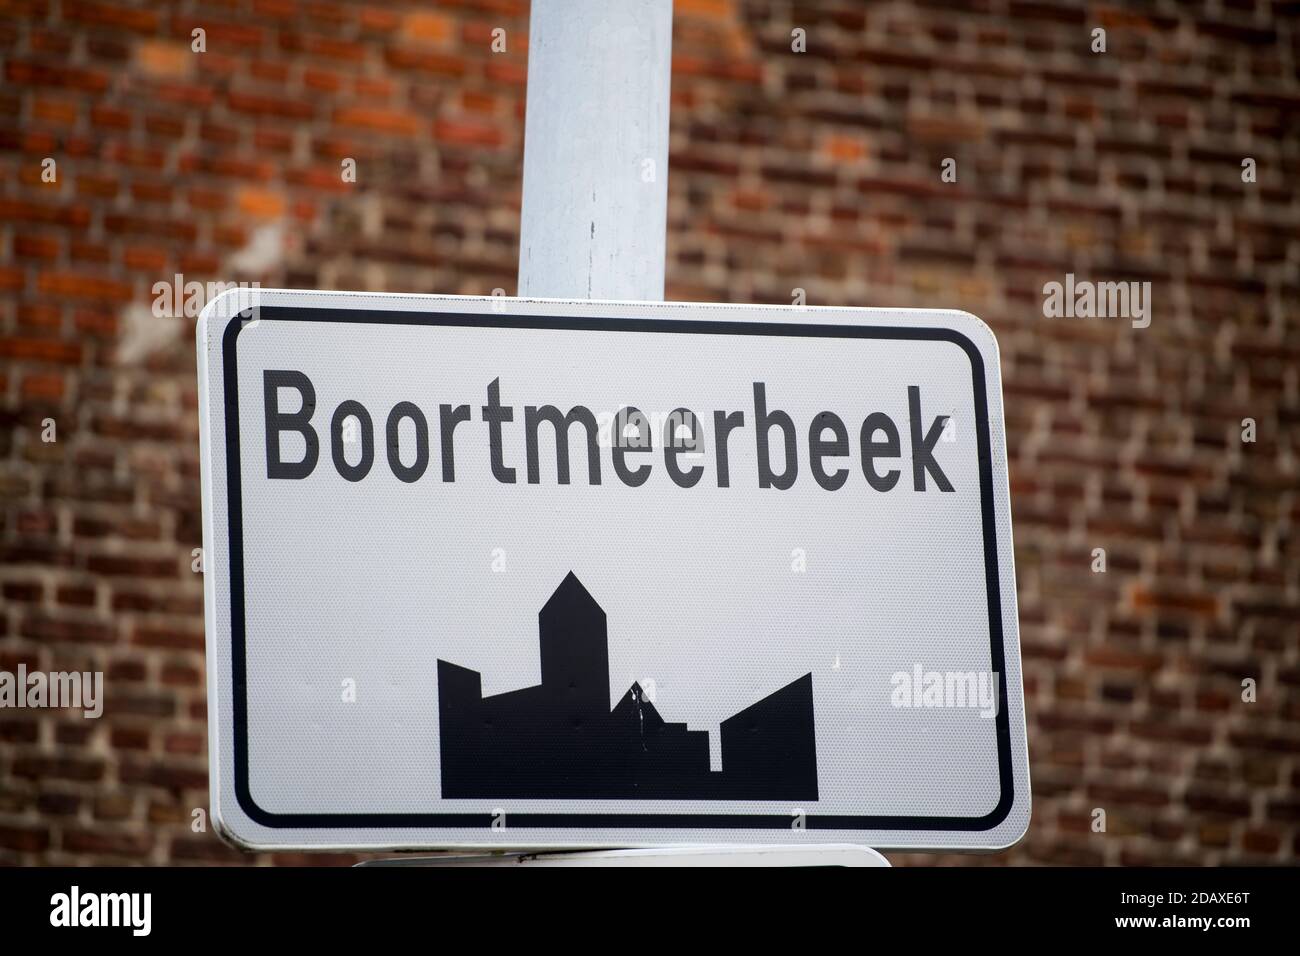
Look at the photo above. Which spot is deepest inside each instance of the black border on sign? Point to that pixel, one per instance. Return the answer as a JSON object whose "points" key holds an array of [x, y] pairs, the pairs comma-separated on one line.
{"points": [[234, 505]]}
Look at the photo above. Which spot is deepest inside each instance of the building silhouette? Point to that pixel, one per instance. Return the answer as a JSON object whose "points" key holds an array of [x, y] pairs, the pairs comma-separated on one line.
{"points": [[560, 739]]}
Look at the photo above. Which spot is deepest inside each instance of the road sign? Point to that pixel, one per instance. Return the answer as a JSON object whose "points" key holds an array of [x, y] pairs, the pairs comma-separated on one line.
{"points": [[489, 572]]}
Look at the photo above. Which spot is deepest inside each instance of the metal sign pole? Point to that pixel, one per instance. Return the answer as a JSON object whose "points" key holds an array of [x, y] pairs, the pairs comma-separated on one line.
{"points": [[595, 192]]}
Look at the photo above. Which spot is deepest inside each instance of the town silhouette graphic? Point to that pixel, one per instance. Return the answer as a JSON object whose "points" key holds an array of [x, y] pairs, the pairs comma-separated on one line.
{"points": [[560, 739]]}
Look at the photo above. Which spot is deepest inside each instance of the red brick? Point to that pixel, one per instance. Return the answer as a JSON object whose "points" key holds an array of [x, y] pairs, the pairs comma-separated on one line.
{"points": [[80, 285], [166, 59], [43, 350], [54, 109], [107, 843], [35, 73], [379, 120], [145, 259], [467, 133], [25, 839], [98, 324], [12, 279], [135, 19], [36, 247], [58, 768], [426, 26], [25, 592], [273, 106], [43, 386]]}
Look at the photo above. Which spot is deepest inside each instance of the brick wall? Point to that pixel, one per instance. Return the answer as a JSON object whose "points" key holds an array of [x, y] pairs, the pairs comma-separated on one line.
{"points": [[818, 171]]}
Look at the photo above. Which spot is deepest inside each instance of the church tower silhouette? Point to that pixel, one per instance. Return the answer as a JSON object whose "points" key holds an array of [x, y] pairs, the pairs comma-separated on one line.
{"points": [[575, 649], [561, 739]]}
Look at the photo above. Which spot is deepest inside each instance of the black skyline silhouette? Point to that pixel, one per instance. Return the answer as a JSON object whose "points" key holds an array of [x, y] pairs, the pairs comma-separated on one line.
{"points": [[559, 739]]}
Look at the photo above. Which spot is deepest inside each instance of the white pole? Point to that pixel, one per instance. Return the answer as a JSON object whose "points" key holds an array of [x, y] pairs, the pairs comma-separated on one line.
{"points": [[595, 191]]}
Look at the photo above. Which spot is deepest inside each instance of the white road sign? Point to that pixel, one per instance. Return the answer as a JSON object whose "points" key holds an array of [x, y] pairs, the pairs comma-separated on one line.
{"points": [[490, 572]]}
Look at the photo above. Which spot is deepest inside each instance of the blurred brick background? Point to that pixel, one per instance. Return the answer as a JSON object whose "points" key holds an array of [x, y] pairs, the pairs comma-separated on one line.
{"points": [[818, 171]]}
